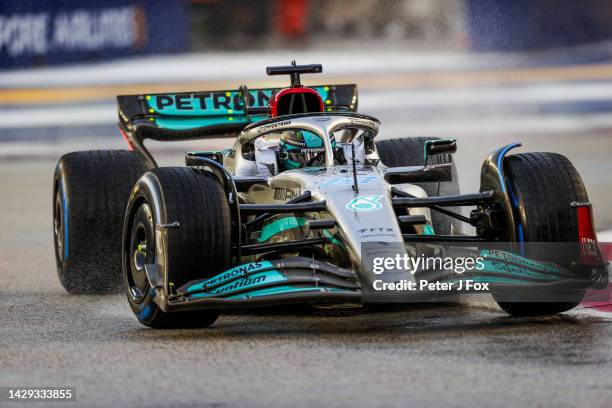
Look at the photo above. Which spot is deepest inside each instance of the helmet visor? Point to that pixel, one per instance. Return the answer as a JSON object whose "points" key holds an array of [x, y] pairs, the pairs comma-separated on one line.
{"points": [[306, 157]]}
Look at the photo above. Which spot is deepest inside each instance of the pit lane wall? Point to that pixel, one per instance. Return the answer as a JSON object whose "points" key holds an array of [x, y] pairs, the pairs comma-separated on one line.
{"points": [[34, 32]]}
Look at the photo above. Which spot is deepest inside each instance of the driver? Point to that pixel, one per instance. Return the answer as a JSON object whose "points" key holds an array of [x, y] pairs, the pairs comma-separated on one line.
{"points": [[301, 148]]}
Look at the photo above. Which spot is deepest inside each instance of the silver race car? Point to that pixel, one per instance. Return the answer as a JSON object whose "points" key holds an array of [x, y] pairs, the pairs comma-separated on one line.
{"points": [[304, 206]]}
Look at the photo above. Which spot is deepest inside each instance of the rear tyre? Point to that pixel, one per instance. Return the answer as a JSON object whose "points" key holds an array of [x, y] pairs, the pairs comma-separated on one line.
{"points": [[544, 185], [199, 247], [90, 193], [411, 152]]}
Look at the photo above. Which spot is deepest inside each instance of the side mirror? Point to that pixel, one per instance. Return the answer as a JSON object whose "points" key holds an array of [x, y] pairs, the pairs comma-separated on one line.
{"points": [[437, 147], [194, 158], [419, 174]]}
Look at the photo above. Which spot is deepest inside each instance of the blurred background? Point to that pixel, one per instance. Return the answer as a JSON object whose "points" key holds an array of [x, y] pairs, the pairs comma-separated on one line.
{"points": [[487, 72]]}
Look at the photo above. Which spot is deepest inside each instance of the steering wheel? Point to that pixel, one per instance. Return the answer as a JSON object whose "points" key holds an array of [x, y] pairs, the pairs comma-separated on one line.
{"points": [[313, 159]]}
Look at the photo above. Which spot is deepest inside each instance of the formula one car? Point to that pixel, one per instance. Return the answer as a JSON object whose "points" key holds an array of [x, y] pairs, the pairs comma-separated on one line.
{"points": [[295, 209]]}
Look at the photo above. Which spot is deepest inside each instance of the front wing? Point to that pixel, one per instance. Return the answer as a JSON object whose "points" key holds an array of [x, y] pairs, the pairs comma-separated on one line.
{"points": [[301, 280]]}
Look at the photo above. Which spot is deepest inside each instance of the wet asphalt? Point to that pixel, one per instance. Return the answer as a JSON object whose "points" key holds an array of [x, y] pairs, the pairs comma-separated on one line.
{"points": [[462, 355]]}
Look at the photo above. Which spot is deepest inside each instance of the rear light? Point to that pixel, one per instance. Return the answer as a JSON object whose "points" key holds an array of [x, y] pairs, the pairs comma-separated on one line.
{"points": [[590, 252]]}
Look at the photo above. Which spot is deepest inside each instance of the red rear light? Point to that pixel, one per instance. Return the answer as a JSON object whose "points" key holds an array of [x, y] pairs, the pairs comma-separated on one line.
{"points": [[590, 253]]}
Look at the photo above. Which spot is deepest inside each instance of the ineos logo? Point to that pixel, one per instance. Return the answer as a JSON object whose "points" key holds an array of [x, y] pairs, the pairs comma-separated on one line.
{"points": [[271, 126]]}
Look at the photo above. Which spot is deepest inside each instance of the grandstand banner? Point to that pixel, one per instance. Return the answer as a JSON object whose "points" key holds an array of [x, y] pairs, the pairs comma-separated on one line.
{"points": [[38, 33]]}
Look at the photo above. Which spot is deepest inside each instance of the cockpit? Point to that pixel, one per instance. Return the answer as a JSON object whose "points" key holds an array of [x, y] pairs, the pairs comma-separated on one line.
{"points": [[306, 141]]}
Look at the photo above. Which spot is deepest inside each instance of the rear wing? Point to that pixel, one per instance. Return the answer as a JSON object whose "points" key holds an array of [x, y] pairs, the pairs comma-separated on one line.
{"points": [[199, 115]]}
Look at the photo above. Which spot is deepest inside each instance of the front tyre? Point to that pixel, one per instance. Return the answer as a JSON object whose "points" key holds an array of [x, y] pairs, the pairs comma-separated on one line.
{"points": [[199, 245], [542, 187]]}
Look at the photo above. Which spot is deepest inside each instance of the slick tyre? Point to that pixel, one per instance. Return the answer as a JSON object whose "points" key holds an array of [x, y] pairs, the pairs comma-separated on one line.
{"points": [[90, 193], [542, 187], [410, 152], [178, 219]]}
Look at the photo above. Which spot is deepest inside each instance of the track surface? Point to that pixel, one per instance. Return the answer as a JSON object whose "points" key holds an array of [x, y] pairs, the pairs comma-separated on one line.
{"points": [[460, 355], [425, 355]]}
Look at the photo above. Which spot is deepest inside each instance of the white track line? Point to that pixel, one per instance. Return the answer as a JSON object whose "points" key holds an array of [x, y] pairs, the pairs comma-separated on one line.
{"points": [[98, 114], [604, 236], [240, 66], [486, 96]]}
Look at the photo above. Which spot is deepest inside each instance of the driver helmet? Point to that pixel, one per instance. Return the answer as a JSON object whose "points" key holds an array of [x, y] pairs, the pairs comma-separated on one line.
{"points": [[301, 148]]}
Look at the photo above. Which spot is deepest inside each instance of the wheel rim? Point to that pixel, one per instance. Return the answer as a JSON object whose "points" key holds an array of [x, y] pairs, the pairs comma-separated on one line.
{"points": [[141, 251], [58, 228]]}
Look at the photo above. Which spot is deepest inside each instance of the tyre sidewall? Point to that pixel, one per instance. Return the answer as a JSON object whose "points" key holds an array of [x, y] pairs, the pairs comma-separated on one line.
{"points": [[60, 194], [154, 187], [146, 191]]}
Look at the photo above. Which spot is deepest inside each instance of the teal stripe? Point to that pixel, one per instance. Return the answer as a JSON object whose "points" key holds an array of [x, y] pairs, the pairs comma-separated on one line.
{"points": [[428, 230], [505, 257], [492, 279], [252, 281], [280, 290], [231, 273], [280, 225]]}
